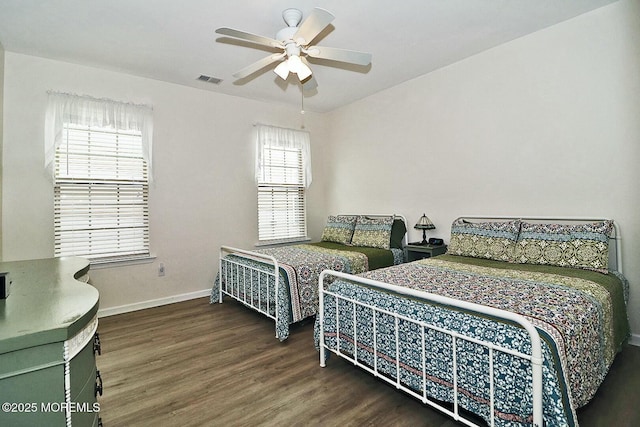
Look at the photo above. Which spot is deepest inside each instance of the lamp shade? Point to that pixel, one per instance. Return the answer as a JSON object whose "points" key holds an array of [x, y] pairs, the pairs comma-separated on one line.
{"points": [[303, 71], [424, 223], [282, 70]]}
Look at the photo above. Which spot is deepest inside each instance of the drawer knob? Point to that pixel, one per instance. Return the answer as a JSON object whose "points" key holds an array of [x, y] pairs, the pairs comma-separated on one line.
{"points": [[98, 389], [97, 348]]}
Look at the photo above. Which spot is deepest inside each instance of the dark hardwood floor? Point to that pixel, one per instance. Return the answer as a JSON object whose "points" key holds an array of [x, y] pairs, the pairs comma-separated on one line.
{"points": [[193, 364]]}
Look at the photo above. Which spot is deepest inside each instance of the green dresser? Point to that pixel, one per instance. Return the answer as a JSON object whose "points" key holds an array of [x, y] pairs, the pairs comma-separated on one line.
{"points": [[48, 343]]}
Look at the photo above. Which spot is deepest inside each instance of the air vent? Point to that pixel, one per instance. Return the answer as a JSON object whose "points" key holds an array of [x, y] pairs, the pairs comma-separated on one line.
{"points": [[209, 79]]}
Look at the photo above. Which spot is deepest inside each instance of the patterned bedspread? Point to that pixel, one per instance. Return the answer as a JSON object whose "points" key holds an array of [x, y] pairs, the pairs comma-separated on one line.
{"points": [[582, 324], [300, 268]]}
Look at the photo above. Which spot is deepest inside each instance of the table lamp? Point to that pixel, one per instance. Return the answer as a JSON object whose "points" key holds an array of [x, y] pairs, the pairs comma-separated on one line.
{"points": [[424, 224]]}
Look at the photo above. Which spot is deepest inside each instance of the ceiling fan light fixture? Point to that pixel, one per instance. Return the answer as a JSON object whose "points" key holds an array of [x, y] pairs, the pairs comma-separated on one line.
{"points": [[298, 67], [282, 70], [293, 65], [304, 72]]}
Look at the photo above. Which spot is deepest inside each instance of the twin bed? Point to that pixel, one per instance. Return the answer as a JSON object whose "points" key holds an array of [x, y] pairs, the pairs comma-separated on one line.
{"points": [[517, 324]]}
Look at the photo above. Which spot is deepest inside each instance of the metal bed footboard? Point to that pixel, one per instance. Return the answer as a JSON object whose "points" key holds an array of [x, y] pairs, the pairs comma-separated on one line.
{"points": [[254, 282], [256, 288], [535, 358]]}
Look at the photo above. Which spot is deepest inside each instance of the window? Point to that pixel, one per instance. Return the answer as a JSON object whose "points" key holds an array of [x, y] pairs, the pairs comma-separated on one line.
{"points": [[101, 189], [281, 195], [283, 173]]}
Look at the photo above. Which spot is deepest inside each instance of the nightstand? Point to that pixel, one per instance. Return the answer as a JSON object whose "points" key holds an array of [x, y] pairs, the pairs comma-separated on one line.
{"points": [[415, 252]]}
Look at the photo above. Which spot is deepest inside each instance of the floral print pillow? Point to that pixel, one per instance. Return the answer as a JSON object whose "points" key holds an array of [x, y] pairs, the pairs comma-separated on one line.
{"points": [[373, 232], [583, 246], [339, 229], [494, 240]]}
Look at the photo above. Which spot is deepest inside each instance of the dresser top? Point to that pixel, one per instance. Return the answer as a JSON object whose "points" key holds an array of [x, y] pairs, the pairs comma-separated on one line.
{"points": [[46, 303]]}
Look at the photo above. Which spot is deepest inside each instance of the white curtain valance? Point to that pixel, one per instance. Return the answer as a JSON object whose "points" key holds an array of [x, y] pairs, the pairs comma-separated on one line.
{"points": [[87, 111], [286, 138]]}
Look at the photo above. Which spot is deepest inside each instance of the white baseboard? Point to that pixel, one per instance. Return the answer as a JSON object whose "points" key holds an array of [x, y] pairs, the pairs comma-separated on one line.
{"points": [[635, 340], [110, 311]]}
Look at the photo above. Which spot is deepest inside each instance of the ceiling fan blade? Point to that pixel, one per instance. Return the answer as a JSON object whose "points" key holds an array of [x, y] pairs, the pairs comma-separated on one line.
{"points": [[250, 69], [342, 55], [312, 26], [250, 37]]}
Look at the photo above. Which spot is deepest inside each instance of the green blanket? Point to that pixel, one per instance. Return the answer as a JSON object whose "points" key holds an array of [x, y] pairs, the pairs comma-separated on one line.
{"points": [[378, 258]]}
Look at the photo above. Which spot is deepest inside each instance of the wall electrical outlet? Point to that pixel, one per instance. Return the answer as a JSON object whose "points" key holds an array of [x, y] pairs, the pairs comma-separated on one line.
{"points": [[161, 269]]}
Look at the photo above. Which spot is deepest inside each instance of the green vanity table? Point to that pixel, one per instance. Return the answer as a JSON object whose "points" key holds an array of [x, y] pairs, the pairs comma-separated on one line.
{"points": [[48, 342]]}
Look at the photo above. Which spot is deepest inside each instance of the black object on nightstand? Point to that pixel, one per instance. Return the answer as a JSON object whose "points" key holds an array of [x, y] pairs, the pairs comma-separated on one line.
{"points": [[414, 252]]}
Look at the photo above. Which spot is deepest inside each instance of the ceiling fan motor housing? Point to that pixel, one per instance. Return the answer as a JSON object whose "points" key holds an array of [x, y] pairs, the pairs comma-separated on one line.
{"points": [[292, 17], [286, 34]]}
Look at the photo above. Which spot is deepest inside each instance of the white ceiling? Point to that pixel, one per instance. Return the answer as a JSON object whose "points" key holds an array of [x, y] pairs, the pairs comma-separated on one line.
{"points": [[174, 41]]}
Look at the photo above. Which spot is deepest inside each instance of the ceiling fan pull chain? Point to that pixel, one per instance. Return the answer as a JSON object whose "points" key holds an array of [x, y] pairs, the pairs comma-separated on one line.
{"points": [[302, 106]]}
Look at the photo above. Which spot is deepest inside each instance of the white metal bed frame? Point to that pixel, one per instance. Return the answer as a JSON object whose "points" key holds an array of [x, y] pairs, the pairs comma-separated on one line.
{"points": [[238, 291], [226, 287], [535, 358]]}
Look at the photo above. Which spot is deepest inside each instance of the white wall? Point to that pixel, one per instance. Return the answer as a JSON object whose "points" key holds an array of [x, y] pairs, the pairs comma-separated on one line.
{"points": [[1, 132], [203, 195], [548, 124]]}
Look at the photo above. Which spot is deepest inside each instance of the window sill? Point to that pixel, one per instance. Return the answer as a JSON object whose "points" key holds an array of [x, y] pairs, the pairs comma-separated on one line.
{"points": [[122, 262], [282, 242]]}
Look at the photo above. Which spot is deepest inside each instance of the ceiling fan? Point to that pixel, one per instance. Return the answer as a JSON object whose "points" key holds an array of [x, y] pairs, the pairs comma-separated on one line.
{"points": [[295, 43]]}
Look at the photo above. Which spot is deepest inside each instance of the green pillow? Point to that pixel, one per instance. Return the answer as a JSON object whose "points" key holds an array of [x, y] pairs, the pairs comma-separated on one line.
{"points": [[398, 230]]}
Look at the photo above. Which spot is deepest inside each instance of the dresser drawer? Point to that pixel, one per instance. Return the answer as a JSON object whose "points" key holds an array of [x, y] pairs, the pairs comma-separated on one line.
{"points": [[28, 393], [86, 407], [82, 369]]}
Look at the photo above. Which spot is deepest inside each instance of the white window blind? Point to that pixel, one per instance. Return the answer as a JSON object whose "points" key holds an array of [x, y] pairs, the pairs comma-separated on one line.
{"points": [[101, 193], [281, 195], [283, 173]]}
